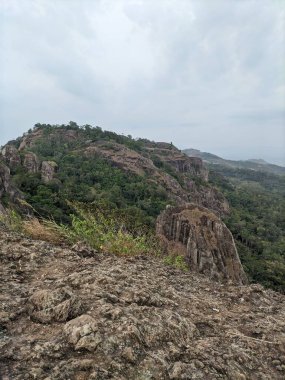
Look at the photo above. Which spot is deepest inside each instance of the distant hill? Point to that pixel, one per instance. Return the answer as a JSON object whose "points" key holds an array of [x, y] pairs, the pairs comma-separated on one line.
{"points": [[252, 164]]}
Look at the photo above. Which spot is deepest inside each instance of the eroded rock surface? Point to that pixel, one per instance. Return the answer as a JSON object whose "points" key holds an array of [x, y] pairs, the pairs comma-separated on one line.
{"points": [[11, 156], [204, 239], [140, 319], [31, 162], [57, 305], [48, 170]]}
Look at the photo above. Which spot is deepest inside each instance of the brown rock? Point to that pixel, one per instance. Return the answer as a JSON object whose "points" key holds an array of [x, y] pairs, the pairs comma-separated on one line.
{"points": [[49, 306], [204, 239]]}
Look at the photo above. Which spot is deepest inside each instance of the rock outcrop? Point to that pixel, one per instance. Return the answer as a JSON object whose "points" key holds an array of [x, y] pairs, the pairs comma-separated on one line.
{"points": [[204, 239], [11, 156], [140, 319], [48, 170], [7, 188], [31, 162]]}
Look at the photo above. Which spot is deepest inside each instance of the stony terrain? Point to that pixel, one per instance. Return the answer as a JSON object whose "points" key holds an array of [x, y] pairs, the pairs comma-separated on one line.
{"points": [[70, 313]]}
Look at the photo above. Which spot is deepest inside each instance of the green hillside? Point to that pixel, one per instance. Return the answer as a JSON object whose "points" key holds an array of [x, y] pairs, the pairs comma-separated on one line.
{"points": [[257, 220]]}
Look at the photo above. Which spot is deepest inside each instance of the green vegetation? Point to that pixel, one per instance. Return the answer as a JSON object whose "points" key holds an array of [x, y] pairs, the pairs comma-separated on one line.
{"points": [[88, 179], [104, 233], [116, 204], [177, 261], [257, 221]]}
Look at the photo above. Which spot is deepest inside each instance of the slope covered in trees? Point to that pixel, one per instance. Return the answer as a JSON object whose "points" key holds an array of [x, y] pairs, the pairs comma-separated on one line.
{"points": [[257, 220]]}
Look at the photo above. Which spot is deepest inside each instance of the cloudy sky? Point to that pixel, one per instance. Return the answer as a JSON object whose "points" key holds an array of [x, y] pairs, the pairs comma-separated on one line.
{"points": [[207, 74]]}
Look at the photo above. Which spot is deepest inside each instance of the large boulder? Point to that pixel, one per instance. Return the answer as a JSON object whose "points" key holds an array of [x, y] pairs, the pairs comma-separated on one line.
{"points": [[204, 239]]}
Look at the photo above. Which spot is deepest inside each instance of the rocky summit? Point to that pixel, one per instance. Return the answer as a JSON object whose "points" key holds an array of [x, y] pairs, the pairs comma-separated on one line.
{"points": [[72, 313]]}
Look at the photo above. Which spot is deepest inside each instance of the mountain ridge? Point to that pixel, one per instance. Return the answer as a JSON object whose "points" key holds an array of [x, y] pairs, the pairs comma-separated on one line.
{"points": [[253, 164]]}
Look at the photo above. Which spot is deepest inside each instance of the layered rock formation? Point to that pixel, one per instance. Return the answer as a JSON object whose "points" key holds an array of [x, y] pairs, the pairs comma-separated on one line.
{"points": [[204, 239], [99, 317]]}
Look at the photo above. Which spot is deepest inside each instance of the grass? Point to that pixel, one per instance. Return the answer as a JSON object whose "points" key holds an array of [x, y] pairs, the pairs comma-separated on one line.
{"points": [[101, 232]]}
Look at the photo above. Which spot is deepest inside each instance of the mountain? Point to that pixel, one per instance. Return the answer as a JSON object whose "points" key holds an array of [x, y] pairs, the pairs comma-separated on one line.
{"points": [[53, 164], [252, 164], [71, 313], [52, 169]]}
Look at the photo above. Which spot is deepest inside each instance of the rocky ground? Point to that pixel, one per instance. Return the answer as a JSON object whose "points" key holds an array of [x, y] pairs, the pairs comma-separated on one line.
{"points": [[74, 314]]}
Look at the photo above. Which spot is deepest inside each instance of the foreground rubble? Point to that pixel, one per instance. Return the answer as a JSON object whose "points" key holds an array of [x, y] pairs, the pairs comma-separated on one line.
{"points": [[75, 314]]}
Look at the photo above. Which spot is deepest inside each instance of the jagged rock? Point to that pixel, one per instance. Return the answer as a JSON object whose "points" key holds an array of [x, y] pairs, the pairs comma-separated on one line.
{"points": [[204, 239], [31, 162], [210, 198], [11, 156], [48, 170], [142, 319], [53, 306], [191, 165], [81, 333]]}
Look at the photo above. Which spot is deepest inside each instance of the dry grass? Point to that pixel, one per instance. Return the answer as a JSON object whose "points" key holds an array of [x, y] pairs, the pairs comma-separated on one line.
{"points": [[42, 231]]}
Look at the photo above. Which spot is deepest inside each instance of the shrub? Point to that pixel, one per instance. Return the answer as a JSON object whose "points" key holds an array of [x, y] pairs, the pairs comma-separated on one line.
{"points": [[177, 261]]}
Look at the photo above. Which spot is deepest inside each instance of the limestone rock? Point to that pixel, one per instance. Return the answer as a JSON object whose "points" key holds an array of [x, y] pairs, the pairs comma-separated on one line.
{"points": [[49, 306], [31, 162], [204, 239], [11, 156], [48, 170]]}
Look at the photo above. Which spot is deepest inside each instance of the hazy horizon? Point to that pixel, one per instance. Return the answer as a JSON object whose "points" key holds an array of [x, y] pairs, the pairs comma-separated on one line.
{"points": [[207, 75]]}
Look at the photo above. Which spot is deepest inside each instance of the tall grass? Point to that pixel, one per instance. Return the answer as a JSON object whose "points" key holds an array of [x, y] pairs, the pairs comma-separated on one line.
{"points": [[100, 231]]}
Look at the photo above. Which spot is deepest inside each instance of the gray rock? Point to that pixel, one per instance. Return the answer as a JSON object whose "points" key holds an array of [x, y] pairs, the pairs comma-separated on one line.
{"points": [[48, 170], [31, 162], [11, 156], [49, 306], [203, 239]]}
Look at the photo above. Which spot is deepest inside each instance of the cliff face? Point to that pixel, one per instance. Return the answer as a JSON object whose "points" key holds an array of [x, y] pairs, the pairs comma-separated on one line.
{"points": [[11, 156], [7, 188], [204, 239], [64, 316]]}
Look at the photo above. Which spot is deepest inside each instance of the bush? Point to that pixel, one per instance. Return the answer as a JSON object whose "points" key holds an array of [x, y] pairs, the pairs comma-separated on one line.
{"points": [[104, 234]]}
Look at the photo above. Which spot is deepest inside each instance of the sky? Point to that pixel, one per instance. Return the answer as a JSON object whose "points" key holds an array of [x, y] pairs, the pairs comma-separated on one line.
{"points": [[204, 74]]}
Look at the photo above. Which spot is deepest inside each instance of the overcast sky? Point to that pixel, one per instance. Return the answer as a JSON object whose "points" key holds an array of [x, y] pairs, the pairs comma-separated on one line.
{"points": [[206, 74]]}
